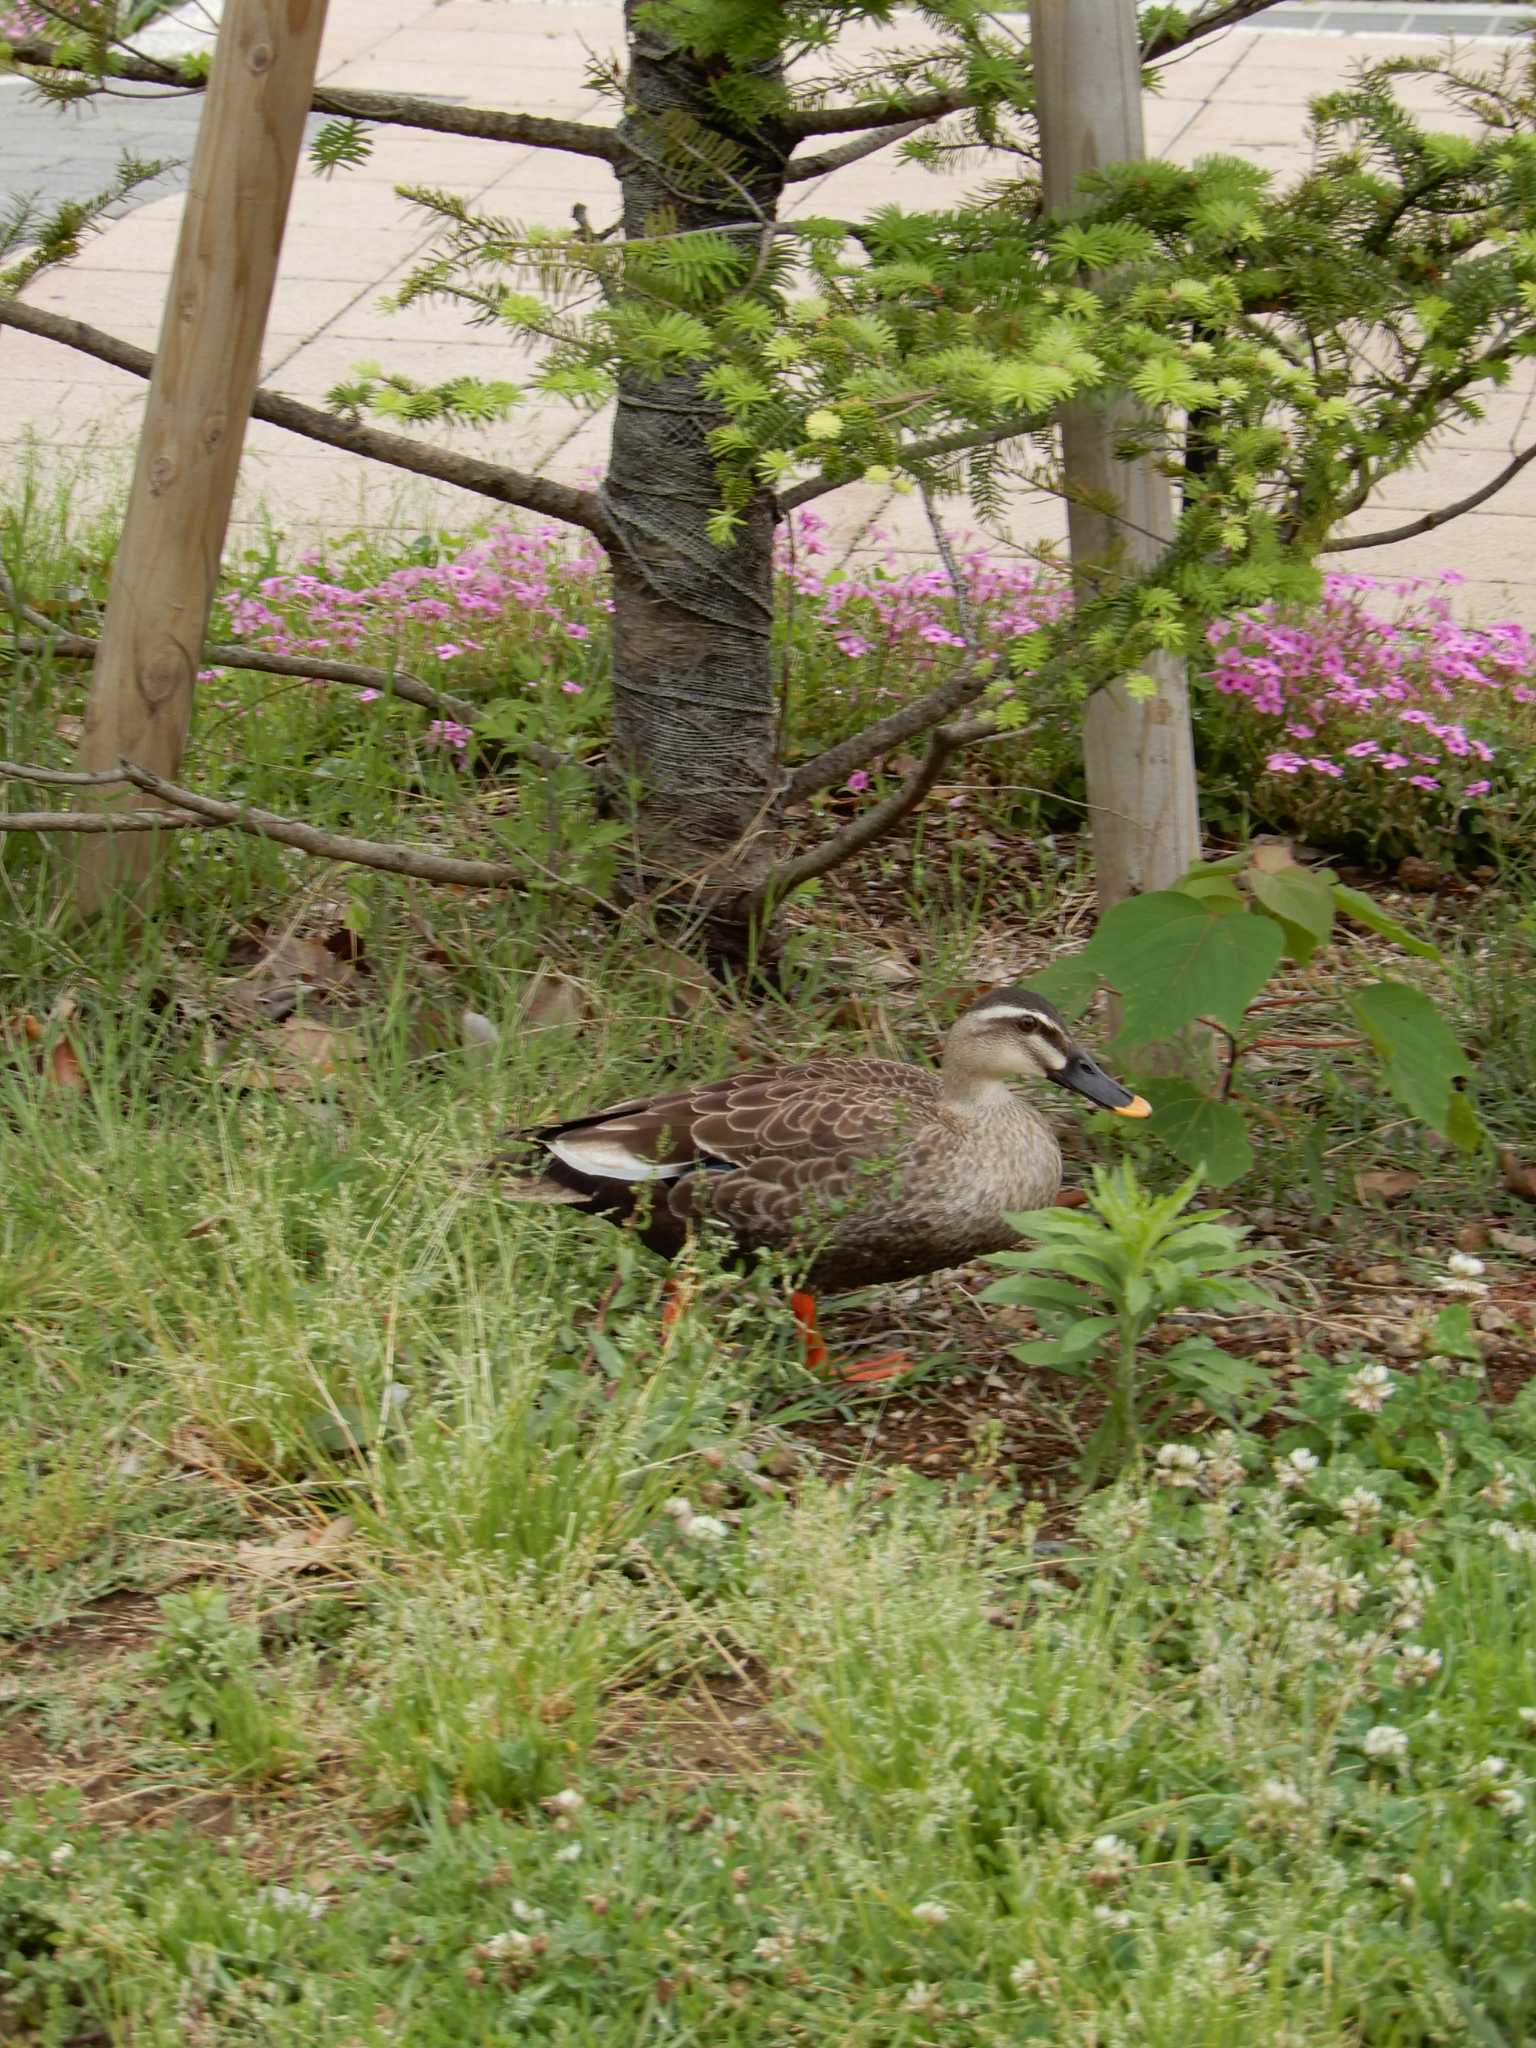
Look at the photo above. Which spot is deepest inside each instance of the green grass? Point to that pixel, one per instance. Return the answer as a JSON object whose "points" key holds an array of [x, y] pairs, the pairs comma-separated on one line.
{"points": [[338, 1518]]}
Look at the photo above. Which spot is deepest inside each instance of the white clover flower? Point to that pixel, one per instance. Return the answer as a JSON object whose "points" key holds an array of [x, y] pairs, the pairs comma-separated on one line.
{"points": [[1360, 1508], [1178, 1465], [1493, 1766], [1527, 1718], [569, 1853], [679, 1507], [1522, 1542], [568, 1800], [8, 1859], [287, 1898], [57, 1858], [930, 1913], [1025, 1974], [1280, 1795], [511, 1947], [1295, 1468], [1114, 1916], [923, 1998], [704, 1529], [1505, 1799], [1406, 1883], [1112, 1858], [1223, 1467], [1467, 1290], [1465, 1267], [1370, 1389], [1384, 1743], [1498, 1492], [773, 1949], [1416, 1665], [1328, 1589]]}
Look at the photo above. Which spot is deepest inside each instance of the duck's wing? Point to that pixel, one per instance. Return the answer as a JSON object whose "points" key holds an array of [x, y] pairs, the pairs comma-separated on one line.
{"points": [[776, 1123]]}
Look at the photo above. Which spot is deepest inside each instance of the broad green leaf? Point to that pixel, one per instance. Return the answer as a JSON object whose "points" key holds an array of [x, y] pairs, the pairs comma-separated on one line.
{"points": [[1206, 1134], [1071, 983], [1363, 909], [1174, 960], [1300, 901], [1420, 1054]]}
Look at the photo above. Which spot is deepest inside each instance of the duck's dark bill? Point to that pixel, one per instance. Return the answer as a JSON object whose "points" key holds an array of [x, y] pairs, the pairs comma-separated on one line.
{"points": [[1088, 1078]]}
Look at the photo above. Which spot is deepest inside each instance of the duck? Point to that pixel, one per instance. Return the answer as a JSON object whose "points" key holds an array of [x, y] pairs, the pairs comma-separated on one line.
{"points": [[864, 1171]]}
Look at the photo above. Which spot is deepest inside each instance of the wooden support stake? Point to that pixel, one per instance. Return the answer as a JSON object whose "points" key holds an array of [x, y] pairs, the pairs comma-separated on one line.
{"points": [[1138, 753], [167, 565]]}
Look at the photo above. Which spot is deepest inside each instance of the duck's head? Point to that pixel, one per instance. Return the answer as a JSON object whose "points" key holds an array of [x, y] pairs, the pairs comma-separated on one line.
{"points": [[1012, 1034]]}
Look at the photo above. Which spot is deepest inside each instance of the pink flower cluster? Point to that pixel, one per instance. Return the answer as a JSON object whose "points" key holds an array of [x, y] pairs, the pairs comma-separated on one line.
{"points": [[1360, 695], [898, 625], [421, 615], [22, 19]]}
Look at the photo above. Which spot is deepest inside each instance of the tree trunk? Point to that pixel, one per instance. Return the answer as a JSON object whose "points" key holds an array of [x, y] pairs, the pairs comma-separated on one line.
{"points": [[695, 721], [167, 566], [1138, 752]]}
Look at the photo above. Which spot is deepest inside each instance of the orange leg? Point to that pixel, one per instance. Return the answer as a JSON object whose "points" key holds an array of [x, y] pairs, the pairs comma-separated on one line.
{"points": [[864, 1372]]}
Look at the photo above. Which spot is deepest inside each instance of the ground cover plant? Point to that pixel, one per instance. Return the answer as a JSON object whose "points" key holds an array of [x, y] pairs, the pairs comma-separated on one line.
{"points": [[405, 1641]]}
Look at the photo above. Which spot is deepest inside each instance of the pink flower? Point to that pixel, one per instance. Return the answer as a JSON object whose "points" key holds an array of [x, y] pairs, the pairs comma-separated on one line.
{"points": [[368, 696], [574, 632], [858, 780], [1423, 782], [447, 732], [447, 650], [571, 689], [1478, 788]]}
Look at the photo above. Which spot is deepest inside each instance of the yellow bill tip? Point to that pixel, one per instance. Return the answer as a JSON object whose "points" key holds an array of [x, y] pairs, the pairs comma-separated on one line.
{"points": [[1137, 1106]]}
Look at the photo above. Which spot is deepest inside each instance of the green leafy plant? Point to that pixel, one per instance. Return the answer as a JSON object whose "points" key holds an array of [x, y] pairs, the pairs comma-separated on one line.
{"points": [[210, 1682], [1203, 952], [1100, 1280]]}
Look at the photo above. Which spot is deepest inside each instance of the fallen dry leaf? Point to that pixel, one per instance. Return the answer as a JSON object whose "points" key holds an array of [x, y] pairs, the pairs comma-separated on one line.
{"points": [[1386, 1184], [1472, 1237], [1518, 1243], [1519, 1178], [551, 1002], [303, 1549]]}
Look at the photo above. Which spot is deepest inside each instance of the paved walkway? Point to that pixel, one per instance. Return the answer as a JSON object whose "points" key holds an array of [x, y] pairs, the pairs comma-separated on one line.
{"points": [[351, 239]]}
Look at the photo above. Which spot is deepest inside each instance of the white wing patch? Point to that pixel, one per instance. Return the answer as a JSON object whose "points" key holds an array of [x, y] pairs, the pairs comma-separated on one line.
{"points": [[609, 1158]]}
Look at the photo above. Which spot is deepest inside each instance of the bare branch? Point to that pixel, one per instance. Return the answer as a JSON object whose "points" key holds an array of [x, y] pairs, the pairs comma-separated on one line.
{"points": [[837, 763], [876, 820], [487, 479], [60, 778], [357, 675], [1428, 521], [391, 109], [102, 821], [916, 112], [803, 167], [386, 855], [922, 108]]}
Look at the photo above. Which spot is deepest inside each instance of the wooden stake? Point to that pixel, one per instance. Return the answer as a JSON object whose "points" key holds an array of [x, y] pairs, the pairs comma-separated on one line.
{"points": [[1138, 753], [166, 571]]}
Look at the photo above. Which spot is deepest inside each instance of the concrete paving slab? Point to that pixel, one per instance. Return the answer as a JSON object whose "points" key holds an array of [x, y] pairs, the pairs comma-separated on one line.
{"points": [[351, 240]]}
